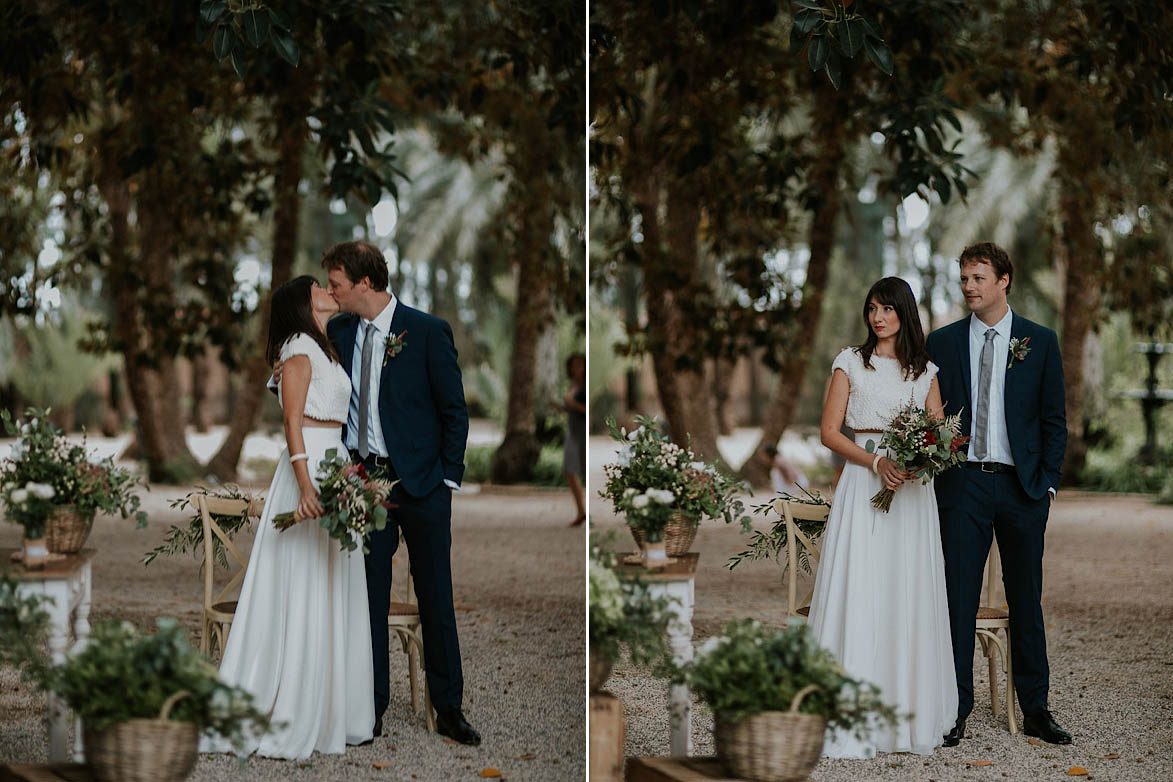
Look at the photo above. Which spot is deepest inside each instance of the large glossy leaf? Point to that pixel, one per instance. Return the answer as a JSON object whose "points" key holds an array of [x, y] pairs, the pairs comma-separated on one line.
{"points": [[834, 67], [211, 10], [851, 35], [817, 53], [806, 19], [879, 53], [797, 40], [279, 19], [239, 61], [256, 27], [222, 41], [285, 46]]}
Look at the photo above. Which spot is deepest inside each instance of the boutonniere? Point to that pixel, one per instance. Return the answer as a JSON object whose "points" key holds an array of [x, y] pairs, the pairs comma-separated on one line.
{"points": [[393, 346], [1018, 351]]}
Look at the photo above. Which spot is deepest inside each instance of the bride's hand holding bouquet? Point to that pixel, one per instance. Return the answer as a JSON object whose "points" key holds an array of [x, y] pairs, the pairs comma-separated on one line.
{"points": [[919, 446]]}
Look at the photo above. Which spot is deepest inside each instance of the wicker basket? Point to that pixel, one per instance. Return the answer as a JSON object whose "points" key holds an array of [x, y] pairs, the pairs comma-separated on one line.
{"points": [[600, 669], [157, 750], [66, 530], [678, 535], [774, 746]]}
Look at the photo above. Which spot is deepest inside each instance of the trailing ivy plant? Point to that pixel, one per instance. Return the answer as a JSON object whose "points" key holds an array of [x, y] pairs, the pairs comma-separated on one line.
{"points": [[181, 539], [772, 544]]}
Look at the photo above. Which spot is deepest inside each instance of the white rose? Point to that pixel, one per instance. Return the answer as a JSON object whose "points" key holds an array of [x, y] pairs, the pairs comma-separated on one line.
{"points": [[19, 496], [662, 496], [17, 449], [698, 466], [639, 501], [630, 490], [42, 490], [634, 434], [624, 456]]}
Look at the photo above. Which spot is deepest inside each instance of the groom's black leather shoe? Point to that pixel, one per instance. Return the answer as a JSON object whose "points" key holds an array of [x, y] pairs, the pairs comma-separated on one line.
{"points": [[1042, 725], [378, 731], [956, 734], [452, 724]]}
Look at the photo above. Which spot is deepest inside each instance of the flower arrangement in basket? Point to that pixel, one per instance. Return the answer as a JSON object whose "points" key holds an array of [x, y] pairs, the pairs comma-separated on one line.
{"points": [[623, 614], [655, 482], [773, 694], [143, 699], [920, 444], [354, 503], [53, 490]]}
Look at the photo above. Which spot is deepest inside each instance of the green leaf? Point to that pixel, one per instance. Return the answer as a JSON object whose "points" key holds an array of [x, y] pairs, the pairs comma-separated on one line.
{"points": [[851, 35], [222, 41], [239, 63], [285, 45], [211, 10], [817, 53], [256, 27], [806, 19], [279, 19], [797, 40], [834, 68], [879, 53]]}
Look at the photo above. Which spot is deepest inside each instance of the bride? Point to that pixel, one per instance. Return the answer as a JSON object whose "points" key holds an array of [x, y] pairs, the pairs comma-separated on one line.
{"points": [[301, 639], [879, 603]]}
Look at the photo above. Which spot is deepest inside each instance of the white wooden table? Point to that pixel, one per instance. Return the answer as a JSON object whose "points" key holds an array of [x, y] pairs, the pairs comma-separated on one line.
{"points": [[68, 582], [676, 582]]}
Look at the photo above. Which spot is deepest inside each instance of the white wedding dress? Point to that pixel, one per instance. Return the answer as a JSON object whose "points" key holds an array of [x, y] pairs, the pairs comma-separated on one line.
{"points": [[879, 603], [301, 639]]}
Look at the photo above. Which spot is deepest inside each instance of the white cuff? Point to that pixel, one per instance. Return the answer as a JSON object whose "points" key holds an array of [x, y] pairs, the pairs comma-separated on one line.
{"points": [[1053, 492], [452, 485]]}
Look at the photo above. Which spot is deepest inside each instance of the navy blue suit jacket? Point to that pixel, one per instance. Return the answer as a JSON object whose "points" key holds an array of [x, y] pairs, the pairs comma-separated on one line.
{"points": [[1036, 417], [421, 397]]}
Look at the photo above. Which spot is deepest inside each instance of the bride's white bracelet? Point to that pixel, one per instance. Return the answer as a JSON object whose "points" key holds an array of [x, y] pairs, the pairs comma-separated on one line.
{"points": [[876, 464], [297, 457]]}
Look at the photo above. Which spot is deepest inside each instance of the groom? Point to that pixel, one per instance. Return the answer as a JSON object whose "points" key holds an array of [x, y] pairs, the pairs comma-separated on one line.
{"points": [[1004, 375], [408, 420]]}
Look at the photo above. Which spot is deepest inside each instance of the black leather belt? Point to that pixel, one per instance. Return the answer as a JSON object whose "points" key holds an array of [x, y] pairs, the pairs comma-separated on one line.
{"points": [[990, 466], [372, 459]]}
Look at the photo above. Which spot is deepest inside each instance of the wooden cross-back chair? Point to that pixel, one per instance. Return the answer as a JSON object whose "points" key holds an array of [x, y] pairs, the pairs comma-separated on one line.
{"points": [[403, 619], [991, 619], [791, 512], [219, 609]]}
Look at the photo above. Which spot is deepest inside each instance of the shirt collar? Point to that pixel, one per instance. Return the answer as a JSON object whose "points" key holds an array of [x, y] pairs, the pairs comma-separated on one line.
{"points": [[978, 329], [382, 321]]}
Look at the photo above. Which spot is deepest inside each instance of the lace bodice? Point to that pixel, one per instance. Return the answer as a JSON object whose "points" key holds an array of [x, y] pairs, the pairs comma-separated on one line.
{"points": [[877, 393], [328, 397]]}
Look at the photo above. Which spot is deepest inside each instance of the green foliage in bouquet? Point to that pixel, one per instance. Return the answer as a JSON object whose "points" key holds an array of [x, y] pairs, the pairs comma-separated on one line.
{"points": [[44, 471], [624, 614], [654, 478], [772, 544], [750, 669], [189, 537]]}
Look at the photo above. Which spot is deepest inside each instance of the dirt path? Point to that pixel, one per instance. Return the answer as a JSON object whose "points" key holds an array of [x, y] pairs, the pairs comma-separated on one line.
{"points": [[1108, 584], [518, 577]]}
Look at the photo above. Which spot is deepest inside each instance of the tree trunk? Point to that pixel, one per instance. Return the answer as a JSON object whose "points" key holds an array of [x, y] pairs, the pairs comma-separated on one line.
{"points": [[150, 368], [201, 368], [286, 221], [515, 459], [1082, 296], [827, 202]]}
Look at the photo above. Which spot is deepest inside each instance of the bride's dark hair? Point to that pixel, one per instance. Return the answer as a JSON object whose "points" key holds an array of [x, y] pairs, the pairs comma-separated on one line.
{"points": [[910, 340], [291, 314]]}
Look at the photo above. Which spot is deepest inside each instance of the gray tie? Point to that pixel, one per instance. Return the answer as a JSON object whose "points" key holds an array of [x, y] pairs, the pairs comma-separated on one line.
{"points": [[364, 391], [982, 421]]}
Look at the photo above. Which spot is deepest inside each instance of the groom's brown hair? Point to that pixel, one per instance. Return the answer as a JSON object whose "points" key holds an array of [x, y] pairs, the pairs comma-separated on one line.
{"points": [[358, 259], [995, 256]]}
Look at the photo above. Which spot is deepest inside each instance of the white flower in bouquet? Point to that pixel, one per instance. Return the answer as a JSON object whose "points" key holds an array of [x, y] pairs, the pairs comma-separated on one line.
{"points": [[662, 496], [42, 490], [640, 501], [19, 496]]}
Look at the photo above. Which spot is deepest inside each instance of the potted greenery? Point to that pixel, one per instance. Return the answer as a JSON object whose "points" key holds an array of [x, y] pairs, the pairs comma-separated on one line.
{"points": [[53, 490], [773, 694], [143, 699], [663, 490], [623, 614]]}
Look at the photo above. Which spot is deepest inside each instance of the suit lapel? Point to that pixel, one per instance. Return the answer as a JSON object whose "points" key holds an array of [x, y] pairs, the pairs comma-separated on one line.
{"points": [[1010, 384], [389, 371], [963, 356]]}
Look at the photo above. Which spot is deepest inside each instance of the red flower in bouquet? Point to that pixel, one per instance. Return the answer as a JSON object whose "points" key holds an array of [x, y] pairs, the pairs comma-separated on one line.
{"points": [[920, 444]]}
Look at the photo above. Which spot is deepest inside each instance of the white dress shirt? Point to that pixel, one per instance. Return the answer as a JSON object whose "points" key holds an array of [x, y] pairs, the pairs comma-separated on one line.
{"points": [[997, 440], [375, 441]]}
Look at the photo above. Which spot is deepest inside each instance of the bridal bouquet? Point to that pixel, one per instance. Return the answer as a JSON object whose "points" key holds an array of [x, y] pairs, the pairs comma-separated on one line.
{"points": [[921, 444], [355, 503]]}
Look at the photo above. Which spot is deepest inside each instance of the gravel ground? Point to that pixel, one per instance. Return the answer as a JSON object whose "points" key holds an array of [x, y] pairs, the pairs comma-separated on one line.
{"points": [[1108, 579], [519, 587]]}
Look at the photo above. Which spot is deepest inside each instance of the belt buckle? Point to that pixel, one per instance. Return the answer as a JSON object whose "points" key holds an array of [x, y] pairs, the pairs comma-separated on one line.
{"points": [[988, 467]]}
